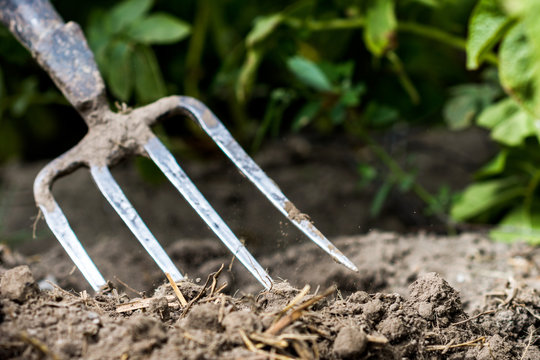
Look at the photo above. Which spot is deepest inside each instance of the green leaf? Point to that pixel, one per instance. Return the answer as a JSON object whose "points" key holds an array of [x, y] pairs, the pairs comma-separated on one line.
{"points": [[381, 24], [28, 88], [430, 3], [406, 182], [159, 28], [248, 72], [487, 25], [351, 95], [119, 73], [459, 112], [262, 28], [337, 72], [149, 84], [515, 129], [509, 124], [309, 73], [483, 197], [12, 143], [519, 69], [380, 197], [466, 102], [495, 167], [518, 225], [127, 12], [367, 174], [306, 115], [98, 36], [493, 115], [380, 115], [2, 88]]}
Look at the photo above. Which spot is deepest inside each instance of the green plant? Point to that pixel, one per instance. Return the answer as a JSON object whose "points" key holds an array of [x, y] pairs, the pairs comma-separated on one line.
{"points": [[121, 39], [506, 189], [327, 92]]}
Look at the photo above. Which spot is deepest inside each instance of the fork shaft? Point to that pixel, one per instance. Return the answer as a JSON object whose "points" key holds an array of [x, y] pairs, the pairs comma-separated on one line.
{"points": [[112, 192], [204, 117], [60, 227], [59, 48], [168, 165]]}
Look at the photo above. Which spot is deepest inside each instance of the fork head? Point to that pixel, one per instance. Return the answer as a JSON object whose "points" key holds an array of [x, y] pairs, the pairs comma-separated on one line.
{"points": [[61, 50], [118, 135]]}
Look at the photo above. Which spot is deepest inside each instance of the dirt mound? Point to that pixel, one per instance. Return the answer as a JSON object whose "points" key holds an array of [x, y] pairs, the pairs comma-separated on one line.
{"points": [[428, 322]]}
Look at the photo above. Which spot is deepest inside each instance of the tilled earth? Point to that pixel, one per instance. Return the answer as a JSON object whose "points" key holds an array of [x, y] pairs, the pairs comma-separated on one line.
{"points": [[415, 297]]}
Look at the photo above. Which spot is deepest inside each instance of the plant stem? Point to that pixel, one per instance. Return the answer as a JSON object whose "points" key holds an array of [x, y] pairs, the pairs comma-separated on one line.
{"points": [[404, 78], [196, 46], [426, 31], [531, 188], [401, 174]]}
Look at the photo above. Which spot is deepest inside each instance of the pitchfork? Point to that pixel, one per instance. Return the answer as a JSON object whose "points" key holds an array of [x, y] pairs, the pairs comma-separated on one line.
{"points": [[61, 49]]}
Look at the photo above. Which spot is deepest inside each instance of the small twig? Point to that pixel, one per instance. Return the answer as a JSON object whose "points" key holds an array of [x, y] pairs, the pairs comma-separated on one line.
{"points": [[176, 290], [72, 271], [511, 295], [300, 337], [34, 225], [201, 293], [289, 318], [321, 332], [302, 350], [214, 279], [269, 340], [474, 317], [192, 338], [253, 348], [217, 294], [537, 317], [474, 342], [296, 299], [529, 343], [144, 303], [60, 289], [38, 345], [128, 287], [231, 264], [377, 339]]}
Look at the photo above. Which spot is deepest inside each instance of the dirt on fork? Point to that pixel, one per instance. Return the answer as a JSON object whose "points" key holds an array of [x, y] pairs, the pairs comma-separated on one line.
{"points": [[482, 303]]}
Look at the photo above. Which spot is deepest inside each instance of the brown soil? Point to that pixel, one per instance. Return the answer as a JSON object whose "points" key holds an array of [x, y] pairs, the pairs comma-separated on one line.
{"points": [[416, 296], [396, 307]]}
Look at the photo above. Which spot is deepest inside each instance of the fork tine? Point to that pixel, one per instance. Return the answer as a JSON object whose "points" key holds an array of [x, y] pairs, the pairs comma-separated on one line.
{"points": [[168, 165], [60, 227], [221, 136], [112, 192]]}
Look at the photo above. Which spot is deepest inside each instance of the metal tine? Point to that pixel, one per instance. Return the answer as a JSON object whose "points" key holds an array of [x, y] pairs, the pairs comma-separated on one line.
{"points": [[221, 136], [60, 227], [168, 165], [114, 195]]}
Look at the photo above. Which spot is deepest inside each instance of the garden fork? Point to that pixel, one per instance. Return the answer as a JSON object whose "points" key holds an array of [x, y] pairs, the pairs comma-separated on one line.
{"points": [[61, 49]]}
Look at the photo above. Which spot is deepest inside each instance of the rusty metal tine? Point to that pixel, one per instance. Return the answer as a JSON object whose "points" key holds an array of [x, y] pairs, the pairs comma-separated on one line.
{"points": [[114, 195], [168, 165], [221, 136], [60, 227]]}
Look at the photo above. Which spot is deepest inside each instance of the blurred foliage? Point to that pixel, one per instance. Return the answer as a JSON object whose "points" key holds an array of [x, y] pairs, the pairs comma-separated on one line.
{"points": [[353, 67], [506, 189], [121, 39]]}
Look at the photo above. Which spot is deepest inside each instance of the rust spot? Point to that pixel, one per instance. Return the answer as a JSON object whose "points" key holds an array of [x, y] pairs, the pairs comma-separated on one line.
{"points": [[294, 214]]}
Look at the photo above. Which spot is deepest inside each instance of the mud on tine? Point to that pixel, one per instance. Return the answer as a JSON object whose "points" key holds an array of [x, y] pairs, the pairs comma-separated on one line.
{"points": [[61, 49]]}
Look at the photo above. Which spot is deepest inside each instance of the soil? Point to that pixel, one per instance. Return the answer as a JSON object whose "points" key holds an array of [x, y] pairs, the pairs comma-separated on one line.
{"points": [[396, 307], [418, 294]]}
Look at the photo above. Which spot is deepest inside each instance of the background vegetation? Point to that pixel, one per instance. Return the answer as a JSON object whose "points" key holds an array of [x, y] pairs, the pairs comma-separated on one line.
{"points": [[354, 67]]}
